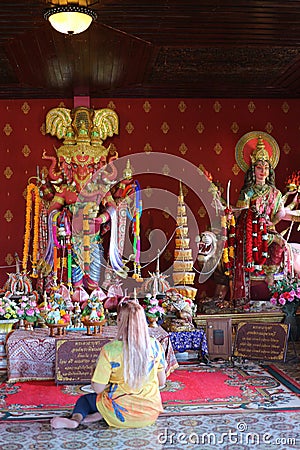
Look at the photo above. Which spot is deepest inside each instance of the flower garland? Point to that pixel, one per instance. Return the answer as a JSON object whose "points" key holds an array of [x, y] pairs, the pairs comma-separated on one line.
{"points": [[56, 245], [86, 239], [31, 188], [228, 233], [260, 241], [256, 242], [62, 258], [135, 218], [69, 263]]}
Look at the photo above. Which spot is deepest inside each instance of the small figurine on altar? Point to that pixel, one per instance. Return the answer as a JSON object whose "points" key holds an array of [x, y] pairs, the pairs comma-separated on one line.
{"points": [[93, 317], [58, 312], [76, 316], [53, 315], [93, 311], [181, 310]]}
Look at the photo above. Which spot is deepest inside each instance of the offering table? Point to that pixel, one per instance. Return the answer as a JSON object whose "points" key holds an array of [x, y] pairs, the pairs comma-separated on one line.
{"points": [[31, 354]]}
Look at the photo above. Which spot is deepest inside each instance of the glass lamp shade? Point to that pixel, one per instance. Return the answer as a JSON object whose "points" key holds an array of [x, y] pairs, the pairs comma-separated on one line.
{"points": [[70, 19]]}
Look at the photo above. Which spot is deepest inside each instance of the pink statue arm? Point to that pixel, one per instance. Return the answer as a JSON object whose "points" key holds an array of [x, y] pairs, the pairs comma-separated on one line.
{"points": [[293, 216], [103, 218]]}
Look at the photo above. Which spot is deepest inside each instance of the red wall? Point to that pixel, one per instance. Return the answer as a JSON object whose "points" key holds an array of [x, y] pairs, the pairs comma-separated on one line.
{"points": [[194, 129]]}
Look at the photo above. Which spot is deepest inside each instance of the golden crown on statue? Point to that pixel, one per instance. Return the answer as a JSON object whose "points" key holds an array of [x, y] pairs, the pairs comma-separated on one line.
{"points": [[260, 153]]}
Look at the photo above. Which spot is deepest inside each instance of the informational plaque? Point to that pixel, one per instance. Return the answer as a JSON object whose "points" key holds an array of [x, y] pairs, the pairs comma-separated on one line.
{"points": [[261, 341], [75, 359]]}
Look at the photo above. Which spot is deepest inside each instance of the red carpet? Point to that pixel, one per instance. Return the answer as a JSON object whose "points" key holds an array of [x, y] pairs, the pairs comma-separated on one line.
{"points": [[38, 393], [190, 390], [198, 385]]}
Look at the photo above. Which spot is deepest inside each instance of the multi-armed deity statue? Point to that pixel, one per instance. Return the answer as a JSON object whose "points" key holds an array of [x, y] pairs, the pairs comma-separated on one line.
{"points": [[255, 253], [82, 198]]}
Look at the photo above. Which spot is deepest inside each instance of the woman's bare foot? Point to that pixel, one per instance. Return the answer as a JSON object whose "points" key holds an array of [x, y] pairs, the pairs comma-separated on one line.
{"points": [[63, 422], [90, 418]]}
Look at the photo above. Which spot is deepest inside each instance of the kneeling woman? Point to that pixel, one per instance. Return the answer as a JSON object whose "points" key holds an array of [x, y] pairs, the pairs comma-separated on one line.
{"points": [[127, 377]]}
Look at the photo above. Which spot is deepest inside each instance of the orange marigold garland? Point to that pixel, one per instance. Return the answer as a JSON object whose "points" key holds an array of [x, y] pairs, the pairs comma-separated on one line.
{"points": [[31, 189], [228, 232]]}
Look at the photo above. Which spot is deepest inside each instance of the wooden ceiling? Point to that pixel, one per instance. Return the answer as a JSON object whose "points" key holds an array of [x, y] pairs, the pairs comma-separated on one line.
{"points": [[143, 48]]}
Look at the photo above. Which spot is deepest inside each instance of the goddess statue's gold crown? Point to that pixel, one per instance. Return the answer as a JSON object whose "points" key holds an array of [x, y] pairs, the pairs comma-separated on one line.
{"points": [[260, 153]]}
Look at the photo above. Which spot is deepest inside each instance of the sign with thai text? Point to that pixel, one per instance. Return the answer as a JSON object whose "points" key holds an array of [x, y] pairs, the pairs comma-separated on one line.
{"points": [[261, 341], [75, 359]]}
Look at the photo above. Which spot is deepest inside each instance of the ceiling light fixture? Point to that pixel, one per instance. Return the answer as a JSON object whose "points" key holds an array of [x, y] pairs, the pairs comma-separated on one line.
{"points": [[71, 19]]}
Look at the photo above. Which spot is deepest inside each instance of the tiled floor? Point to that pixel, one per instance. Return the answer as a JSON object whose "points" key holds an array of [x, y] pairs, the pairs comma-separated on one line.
{"points": [[209, 432], [238, 431]]}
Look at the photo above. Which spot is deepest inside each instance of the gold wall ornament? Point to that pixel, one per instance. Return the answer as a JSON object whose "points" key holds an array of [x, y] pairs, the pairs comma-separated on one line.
{"points": [[9, 259], [234, 127], [43, 129], [165, 127], [167, 255], [166, 170], [201, 212], [218, 148], [7, 129], [8, 216], [146, 106], [200, 127], [111, 105], [148, 191], [147, 148], [182, 106], [185, 190], [183, 149], [129, 127], [285, 107], [251, 107], [8, 172], [166, 212], [112, 148], [286, 148], [269, 128], [217, 107], [25, 108], [235, 169], [201, 169], [26, 151]]}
